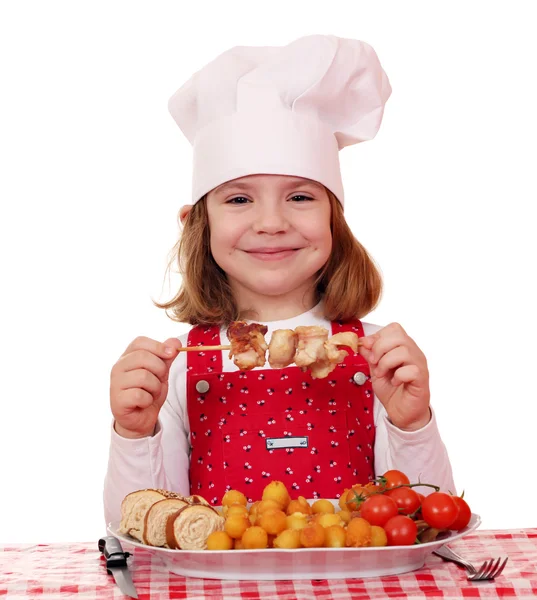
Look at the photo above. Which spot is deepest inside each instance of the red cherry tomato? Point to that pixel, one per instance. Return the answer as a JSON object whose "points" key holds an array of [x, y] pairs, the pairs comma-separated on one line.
{"points": [[394, 478], [352, 500], [465, 514], [401, 531], [406, 498], [439, 510], [378, 509]]}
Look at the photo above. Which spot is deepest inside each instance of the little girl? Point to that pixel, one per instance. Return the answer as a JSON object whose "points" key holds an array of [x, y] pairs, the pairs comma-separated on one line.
{"points": [[265, 240]]}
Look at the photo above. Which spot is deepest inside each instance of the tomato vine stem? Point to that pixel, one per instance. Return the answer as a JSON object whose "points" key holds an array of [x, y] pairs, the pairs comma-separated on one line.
{"points": [[359, 498]]}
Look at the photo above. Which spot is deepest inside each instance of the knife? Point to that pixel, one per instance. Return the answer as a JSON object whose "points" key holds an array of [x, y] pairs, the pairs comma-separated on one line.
{"points": [[116, 564]]}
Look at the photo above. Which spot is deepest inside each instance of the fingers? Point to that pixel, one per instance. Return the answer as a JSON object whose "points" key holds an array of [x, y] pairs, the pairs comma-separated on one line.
{"points": [[159, 400], [407, 374], [145, 353], [134, 398], [142, 379], [391, 349], [165, 350], [142, 359], [171, 348], [367, 342], [376, 346], [390, 337], [392, 360], [139, 384]]}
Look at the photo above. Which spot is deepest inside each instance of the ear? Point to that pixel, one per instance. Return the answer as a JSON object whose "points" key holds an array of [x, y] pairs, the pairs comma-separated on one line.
{"points": [[184, 212]]}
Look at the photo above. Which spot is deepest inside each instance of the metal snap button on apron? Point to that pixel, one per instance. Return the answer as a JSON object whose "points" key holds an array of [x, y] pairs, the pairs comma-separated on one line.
{"points": [[360, 378], [202, 386]]}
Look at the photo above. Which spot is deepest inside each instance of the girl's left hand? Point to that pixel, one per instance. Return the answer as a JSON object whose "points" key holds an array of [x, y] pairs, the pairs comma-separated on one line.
{"points": [[399, 376]]}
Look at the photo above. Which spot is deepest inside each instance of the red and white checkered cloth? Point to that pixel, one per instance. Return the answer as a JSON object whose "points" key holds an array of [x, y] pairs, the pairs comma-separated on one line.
{"points": [[77, 571]]}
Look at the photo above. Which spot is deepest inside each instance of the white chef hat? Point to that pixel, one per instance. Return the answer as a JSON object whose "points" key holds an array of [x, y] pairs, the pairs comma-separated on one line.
{"points": [[284, 110]]}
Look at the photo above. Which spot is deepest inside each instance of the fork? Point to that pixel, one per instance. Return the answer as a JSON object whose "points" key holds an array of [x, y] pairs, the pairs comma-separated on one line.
{"points": [[488, 570]]}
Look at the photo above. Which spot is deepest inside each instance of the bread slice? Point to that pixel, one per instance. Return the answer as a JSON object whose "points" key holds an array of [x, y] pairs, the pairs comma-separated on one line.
{"points": [[195, 499], [154, 530], [169, 494], [133, 509], [190, 526]]}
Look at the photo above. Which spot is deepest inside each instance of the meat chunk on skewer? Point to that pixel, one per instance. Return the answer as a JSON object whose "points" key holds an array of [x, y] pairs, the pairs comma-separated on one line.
{"points": [[282, 348], [311, 351], [310, 348], [345, 338], [334, 355], [320, 354], [248, 346]]}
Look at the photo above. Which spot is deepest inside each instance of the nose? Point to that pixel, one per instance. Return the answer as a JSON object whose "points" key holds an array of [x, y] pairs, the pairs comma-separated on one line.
{"points": [[270, 219]]}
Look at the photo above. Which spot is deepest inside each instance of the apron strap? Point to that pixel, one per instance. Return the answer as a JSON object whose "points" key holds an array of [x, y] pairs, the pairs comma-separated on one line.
{"points": [[205, 361], [355, 326]]}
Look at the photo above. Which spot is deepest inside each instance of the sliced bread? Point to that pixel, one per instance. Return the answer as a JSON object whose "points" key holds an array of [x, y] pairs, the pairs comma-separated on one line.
{"points": [[190, 526], [154, 530], [133, 509], [195, 499]]}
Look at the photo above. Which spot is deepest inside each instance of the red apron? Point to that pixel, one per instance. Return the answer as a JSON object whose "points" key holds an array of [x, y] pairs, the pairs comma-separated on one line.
{"points": [[250, 428]]}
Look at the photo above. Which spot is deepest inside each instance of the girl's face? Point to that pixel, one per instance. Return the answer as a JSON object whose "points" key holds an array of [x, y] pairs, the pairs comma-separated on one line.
{"points": [[270, 233]]}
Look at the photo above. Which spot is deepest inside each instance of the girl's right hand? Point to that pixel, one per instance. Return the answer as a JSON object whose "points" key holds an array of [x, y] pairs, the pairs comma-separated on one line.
{"points": [[139, 385]]}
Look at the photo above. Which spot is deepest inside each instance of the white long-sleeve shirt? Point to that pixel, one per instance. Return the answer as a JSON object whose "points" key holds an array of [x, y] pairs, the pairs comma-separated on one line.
{"points": [[162, 460]]}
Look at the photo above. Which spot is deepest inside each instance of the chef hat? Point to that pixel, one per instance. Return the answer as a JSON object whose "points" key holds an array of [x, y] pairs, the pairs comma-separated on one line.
{"points": [[284, 110]]}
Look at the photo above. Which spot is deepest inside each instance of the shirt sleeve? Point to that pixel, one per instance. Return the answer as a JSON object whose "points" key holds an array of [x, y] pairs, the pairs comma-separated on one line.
{"points": [[158, 461], [420, 454]]}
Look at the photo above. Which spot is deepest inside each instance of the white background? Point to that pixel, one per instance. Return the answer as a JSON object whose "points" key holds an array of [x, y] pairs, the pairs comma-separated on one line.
{"points": [[94, 171]]}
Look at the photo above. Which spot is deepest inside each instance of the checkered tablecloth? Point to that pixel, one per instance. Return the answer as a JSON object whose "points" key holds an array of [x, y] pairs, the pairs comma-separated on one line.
{"points": [[77, 571]]}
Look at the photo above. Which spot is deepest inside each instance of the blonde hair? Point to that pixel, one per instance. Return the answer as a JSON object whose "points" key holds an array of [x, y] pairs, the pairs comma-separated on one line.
{"points": [[349, 284]]}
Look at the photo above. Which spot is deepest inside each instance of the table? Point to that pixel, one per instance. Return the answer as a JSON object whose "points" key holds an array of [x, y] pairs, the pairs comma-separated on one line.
{"points": [[77, 570]]}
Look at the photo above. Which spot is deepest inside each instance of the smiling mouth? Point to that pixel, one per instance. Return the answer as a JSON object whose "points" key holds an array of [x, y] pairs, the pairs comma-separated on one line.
{"points": [[270, 254]]}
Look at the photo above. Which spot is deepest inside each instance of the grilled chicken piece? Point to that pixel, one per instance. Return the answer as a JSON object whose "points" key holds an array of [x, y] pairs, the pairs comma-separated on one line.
{"points": [[311, 351], [320, 354], [344, 338], [248, 346], [282, 348], [310, 348], [322, 368]]}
